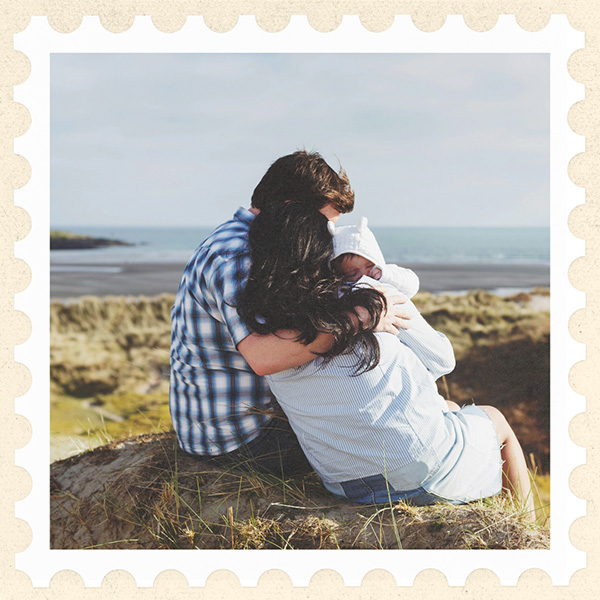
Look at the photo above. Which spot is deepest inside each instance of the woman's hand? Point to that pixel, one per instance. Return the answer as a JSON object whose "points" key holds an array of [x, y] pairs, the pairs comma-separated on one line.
{"points": [[397, 314]]}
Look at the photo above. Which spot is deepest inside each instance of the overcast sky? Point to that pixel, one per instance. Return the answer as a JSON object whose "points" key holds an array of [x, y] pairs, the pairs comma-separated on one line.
{"points": [[183, 139]]}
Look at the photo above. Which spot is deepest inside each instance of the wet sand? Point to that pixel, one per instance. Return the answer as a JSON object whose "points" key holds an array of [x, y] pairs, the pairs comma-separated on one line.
{"points": [[150, 279]]}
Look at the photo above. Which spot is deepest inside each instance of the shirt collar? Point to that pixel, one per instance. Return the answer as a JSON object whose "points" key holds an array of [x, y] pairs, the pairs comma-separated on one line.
{"points": [[244, 215]]}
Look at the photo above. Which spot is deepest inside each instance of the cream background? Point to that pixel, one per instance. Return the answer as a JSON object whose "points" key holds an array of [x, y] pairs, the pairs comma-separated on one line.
{"points": [[584, 170]]}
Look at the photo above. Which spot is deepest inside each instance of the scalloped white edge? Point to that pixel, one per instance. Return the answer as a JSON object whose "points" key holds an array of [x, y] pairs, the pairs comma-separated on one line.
{"points": [[558, 39]]}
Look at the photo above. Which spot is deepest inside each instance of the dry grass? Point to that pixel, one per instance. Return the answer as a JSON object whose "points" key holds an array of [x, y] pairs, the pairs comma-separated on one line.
{"points": [[110, 362], [109, 378], [144, 493]]}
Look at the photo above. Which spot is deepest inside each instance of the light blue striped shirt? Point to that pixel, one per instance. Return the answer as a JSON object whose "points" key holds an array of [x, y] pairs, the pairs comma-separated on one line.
{"points": [[379, 421]]}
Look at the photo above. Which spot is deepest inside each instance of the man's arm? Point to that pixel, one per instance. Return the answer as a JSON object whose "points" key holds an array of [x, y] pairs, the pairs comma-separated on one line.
{"points": [[268, 354]]}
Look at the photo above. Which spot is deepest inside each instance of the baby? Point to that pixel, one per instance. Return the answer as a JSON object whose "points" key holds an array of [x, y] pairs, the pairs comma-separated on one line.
{"points": [[356, 254]]}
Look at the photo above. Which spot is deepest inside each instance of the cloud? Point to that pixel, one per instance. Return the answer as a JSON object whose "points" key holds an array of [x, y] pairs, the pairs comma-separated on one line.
{"points": [[208, 125]]}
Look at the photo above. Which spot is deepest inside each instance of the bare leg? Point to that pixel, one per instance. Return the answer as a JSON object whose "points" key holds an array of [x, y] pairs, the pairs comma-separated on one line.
{"points": [[452, 406], [515, 477]]}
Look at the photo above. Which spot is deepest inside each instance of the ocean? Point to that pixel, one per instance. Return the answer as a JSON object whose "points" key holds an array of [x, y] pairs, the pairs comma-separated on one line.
{"points": [[400, 245]]}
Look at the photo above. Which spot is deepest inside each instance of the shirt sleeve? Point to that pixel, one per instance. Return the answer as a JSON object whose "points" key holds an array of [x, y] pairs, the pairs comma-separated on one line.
{"points": [[225, 281], [404, 280], [432, 347]]}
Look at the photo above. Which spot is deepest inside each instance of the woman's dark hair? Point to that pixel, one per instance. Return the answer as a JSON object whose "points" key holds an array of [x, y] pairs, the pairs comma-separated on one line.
{"points": [[304, 177], [291, 285]]}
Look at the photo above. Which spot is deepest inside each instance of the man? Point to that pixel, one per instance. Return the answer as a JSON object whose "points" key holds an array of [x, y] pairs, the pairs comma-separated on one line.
{"points": [[220, 404]]}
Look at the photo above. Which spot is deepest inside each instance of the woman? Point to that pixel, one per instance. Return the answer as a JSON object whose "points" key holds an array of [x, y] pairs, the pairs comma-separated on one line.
{"points": [[367, 413]]}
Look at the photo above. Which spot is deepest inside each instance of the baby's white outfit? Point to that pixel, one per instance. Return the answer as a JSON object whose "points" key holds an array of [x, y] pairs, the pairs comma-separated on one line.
{"points": [[359, 239]]}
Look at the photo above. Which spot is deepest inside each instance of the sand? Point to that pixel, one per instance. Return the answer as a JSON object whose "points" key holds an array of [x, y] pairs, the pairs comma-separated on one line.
{"points": [[150, 279]]}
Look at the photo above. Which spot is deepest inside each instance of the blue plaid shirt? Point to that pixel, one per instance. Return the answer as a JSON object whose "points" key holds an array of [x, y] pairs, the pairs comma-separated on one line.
{"points": [[217, 402]]}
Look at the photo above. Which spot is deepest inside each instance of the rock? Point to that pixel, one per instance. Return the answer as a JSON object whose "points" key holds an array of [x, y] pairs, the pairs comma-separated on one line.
{"points": [[61, 240]]}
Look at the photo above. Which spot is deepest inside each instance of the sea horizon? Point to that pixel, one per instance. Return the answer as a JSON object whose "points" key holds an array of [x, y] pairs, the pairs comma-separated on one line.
{"points": [[445, 259], [415, 245]]}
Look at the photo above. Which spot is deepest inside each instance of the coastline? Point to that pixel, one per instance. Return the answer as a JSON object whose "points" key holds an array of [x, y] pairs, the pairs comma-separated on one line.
{"points": [[69, 281]]}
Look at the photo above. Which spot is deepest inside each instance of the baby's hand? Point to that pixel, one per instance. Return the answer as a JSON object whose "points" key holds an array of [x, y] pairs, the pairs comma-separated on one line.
{"points": [[374, 273]]}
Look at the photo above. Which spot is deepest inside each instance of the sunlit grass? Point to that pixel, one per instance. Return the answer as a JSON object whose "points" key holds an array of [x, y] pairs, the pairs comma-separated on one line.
{"points": [[109, 379], [171, 500]]}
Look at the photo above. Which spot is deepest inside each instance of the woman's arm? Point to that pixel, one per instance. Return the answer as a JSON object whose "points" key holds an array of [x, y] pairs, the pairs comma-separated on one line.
{"points": [[432, 348]]}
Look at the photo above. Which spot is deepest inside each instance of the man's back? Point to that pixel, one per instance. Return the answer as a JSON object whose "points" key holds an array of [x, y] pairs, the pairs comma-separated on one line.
{"points": [[217, 402]]}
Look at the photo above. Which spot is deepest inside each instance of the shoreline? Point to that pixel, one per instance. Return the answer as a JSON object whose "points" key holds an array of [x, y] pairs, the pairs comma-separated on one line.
{"points": [[68, 281]]}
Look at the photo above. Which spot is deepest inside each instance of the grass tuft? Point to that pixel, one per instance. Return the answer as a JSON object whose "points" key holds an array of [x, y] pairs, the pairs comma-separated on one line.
{"points": [[142, 493]]}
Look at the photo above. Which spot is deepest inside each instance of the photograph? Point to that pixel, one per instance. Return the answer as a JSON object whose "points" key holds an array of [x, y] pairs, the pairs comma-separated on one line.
{"points": [[300, 300]]}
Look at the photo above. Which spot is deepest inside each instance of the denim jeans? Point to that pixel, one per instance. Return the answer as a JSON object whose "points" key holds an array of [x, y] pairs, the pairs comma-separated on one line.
{"points": [[375, 490], [275, 450]]}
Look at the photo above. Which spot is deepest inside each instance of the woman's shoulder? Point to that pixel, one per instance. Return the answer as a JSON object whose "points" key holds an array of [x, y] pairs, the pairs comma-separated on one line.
{"points": [[304, 370], [342, 365]]}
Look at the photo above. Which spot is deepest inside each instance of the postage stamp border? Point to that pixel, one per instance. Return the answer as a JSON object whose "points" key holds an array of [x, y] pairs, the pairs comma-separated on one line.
{"points": [[20, 224]]}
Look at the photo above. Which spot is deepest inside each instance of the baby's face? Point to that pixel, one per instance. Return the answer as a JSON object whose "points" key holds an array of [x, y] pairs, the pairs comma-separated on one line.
{"points": [[353, 267]]}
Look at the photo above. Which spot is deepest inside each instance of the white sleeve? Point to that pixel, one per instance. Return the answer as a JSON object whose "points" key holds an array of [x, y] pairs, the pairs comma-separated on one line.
{"points": [[404, 280], [432, 348]]}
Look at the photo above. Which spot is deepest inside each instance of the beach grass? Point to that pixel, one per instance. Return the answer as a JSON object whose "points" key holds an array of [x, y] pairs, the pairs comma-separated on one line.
{"points": [[145, 493], [109, 362], [110, 366]]}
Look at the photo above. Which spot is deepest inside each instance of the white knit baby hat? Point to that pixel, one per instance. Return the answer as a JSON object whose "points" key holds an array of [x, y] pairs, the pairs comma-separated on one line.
{"points": [[357, 239]]}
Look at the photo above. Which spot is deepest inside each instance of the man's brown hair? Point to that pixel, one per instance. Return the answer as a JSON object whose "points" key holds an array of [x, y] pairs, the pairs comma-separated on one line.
{"points": [[304, 177]]}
